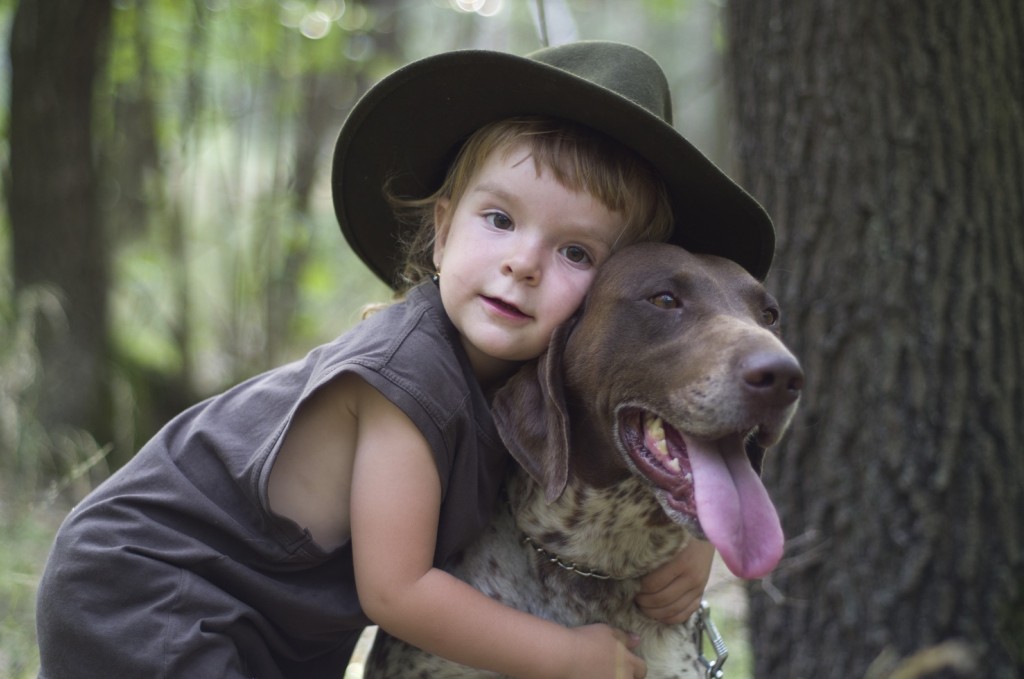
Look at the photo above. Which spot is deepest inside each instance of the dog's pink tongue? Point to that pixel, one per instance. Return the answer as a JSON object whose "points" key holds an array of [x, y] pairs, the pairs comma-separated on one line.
{"points": [[734, 509]]}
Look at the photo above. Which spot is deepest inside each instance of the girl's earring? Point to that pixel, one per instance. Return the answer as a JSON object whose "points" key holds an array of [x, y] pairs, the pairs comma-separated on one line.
{"points": [[436, 276]]}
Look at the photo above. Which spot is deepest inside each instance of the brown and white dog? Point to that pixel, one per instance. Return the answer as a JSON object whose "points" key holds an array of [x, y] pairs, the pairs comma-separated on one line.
{"points": [[643, 425]]}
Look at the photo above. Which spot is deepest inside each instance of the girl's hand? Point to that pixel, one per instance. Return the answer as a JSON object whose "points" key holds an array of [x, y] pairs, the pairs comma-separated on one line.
{"points": [[601, 651], [671, 593]]}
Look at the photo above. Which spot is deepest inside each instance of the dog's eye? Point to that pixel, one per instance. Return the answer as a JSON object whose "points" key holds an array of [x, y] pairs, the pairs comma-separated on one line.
{"points": [[770, 316], [664, 300]]}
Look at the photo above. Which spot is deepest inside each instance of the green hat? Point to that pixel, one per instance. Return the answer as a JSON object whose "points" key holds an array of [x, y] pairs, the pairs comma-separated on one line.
{"points": [[408, 127]]}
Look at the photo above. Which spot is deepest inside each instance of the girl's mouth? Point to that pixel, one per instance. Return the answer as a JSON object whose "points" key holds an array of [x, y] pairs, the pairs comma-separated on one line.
{"points": [[503, 308]]}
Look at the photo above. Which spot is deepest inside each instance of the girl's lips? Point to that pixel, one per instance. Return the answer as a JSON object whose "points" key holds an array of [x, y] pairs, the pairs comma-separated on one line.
{"points": [[504, 309]]}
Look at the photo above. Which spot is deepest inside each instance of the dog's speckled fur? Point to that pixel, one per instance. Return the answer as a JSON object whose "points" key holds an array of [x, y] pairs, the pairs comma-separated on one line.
{"points": [[587, 502]]}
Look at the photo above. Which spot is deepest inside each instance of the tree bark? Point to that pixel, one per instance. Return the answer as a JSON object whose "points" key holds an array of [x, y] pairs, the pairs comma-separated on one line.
{"points": [[57, 48], [886, 138]]}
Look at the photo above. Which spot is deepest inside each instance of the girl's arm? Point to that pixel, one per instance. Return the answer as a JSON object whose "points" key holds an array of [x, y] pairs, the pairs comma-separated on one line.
{"points": [[396, 499], [672, 592]]}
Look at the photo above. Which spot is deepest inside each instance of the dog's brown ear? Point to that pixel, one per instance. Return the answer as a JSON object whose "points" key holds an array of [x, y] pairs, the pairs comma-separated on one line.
{"points": [[530, 415]]}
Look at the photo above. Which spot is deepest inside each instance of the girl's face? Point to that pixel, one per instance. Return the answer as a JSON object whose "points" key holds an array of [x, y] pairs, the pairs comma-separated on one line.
{"points": [[516, 254]]}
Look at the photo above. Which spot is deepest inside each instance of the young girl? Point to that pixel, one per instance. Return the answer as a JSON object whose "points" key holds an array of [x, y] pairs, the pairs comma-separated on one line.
{"points": [[261, 530]]}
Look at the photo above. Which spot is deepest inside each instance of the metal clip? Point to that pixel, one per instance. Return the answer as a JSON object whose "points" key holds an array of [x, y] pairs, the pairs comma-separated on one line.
{"points": [[706, 629]]}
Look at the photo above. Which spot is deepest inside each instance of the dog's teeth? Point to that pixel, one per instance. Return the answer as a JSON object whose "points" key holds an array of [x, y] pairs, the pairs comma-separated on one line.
{"points": [[673, 464], [655, 430]]}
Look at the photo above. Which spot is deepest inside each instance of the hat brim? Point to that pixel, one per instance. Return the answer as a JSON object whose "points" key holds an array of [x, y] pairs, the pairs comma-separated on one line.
{"points": [[407, 128]]}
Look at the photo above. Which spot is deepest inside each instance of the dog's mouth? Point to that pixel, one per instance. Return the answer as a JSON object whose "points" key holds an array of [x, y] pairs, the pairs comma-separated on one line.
{"points": [[660, 453], [708, 486]]}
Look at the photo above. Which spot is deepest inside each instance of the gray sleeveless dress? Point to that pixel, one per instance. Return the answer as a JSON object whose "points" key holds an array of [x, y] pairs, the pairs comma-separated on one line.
{"points": [[175, 567]]}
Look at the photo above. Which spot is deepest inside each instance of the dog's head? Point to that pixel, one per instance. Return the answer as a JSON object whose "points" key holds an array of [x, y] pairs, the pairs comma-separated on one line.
{"points": [[672, 370]]}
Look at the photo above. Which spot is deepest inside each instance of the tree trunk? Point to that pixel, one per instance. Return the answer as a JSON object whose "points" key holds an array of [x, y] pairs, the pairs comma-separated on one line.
{"points": [[886, 139], [57, 48]]}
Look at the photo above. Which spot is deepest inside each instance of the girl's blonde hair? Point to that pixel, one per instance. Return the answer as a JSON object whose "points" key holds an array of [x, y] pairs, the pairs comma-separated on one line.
{"points": [[580, 159]]}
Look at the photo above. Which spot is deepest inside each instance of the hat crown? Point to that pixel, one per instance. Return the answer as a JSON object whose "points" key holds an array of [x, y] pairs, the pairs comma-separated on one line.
{"points": [[618, 68]]}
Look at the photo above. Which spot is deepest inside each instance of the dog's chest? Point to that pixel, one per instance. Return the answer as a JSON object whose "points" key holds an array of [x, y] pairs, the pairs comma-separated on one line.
{"points": [[620, 531]]}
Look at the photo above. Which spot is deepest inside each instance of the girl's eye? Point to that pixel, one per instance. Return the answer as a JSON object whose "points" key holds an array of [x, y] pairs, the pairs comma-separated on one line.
{"points": [[770, 316], [664, 300], [499, 220], [576, 254]]}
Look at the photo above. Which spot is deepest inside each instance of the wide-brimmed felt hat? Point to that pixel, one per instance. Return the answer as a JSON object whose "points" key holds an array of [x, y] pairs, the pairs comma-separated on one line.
{"points": [[409, 126]]}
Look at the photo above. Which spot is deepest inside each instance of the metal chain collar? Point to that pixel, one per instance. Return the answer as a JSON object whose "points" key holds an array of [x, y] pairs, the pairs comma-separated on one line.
{"points": [[566, 565]]}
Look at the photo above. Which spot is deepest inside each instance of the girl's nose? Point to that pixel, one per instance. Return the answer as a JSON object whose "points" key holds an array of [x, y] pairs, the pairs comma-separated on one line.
{"points": [[523, 264]]}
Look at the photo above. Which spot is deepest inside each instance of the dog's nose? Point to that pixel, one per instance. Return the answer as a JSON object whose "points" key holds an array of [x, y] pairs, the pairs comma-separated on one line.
{"points": [[773, 375]]}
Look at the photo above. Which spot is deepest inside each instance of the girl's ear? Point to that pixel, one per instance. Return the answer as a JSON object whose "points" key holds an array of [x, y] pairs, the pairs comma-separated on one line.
{"points": [[441, 224]]}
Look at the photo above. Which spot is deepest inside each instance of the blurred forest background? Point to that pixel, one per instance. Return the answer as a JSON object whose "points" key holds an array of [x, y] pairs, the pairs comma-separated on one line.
{"points": [[168, 232]]}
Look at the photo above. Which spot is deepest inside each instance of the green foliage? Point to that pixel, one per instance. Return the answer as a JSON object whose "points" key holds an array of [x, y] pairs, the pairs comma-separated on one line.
{"points": [[26, 539], [28, 456], [19, 365], [221, 238]]}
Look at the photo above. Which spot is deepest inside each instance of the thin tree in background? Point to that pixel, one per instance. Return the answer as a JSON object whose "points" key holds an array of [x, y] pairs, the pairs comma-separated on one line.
{"points": [[886, 139], [57, 48]]}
